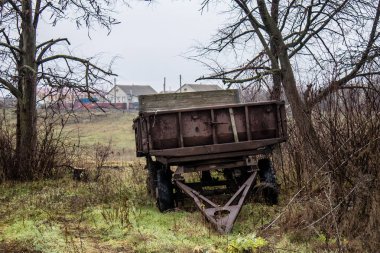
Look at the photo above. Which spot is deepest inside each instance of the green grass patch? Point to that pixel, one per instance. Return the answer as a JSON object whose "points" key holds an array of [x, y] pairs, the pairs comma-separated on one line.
{"points": [[111, 214], [115, 214], [37, 234], [115, 127]]}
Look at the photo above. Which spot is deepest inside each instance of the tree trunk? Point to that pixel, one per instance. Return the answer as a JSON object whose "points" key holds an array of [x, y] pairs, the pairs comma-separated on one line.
{"points": [[26, 132], [276, 91], [300, 113]]}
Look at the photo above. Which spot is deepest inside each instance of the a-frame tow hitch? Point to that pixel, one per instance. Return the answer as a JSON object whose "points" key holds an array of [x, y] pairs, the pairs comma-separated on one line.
{"points": [[222, 217]]}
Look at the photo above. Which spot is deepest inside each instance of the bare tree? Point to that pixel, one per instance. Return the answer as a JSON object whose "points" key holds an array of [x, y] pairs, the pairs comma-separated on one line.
{"points": [[26, 62], [293, 43]]}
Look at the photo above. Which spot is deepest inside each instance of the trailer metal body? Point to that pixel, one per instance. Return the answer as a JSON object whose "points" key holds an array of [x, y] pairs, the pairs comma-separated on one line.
{"points": [[201, 139]]}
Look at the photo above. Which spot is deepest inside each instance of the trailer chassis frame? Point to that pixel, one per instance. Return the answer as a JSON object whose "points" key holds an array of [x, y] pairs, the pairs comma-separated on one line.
{"points": [[221, 217]]}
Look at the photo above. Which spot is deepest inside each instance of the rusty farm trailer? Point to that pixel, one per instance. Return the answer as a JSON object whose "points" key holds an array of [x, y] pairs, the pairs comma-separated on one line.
{"points": [[225, 142]]}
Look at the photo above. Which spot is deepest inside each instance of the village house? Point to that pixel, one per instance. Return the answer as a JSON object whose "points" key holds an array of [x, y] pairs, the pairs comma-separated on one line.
{"points": [[128, 94], [198, 87]]}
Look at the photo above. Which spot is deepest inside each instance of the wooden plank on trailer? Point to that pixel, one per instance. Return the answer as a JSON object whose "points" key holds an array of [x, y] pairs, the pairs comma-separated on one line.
{"points": [[214, 138], [233, 124], [180, 130], [247, 123], [167, 101]]}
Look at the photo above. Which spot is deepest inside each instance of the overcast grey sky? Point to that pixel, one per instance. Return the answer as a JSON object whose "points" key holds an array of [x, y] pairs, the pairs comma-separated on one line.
{"points": [[151, 41]]}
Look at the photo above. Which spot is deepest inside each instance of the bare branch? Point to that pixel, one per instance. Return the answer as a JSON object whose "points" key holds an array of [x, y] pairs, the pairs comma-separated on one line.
{"points": [[77, 59], [10, 87], [256, 25], [13, 4], [37, 13], [230, 81], [10, 47], [47, 45], [354, 72], [302, 43]]}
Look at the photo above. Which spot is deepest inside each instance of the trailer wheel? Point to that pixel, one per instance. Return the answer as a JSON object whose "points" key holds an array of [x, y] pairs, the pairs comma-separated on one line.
{"points": [[151, 180], [164, 190], [267, 175]]}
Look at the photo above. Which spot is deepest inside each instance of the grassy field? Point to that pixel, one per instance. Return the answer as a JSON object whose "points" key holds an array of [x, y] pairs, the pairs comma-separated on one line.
{"points": [[105, 128], [114, 213]]}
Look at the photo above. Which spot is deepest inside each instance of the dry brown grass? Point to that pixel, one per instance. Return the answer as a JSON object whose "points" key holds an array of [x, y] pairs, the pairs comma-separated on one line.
{"points": [[340, 200]]}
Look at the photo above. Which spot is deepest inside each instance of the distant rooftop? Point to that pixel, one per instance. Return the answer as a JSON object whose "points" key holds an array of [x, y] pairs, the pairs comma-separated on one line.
{"points": [[201, 87], [137, 90]]}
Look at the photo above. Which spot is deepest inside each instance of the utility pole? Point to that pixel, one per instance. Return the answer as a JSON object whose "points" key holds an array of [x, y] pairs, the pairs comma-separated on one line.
{"points": [[164, 84], [180, 83], [115, 94], [114, 90]]}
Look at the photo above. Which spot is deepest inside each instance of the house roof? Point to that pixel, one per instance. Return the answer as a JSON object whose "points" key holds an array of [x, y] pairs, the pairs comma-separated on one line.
{"points": [[137, 90], [202, 87]]}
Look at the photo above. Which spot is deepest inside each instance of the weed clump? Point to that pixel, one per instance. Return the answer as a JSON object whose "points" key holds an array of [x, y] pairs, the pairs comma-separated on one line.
{"points": [[249, 243]]}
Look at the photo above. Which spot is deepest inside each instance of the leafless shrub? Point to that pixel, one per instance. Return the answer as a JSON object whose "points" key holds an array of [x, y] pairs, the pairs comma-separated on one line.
{"points": [[102, 154], [353, 122], [340, 199], [7, 149], [54, 153]]}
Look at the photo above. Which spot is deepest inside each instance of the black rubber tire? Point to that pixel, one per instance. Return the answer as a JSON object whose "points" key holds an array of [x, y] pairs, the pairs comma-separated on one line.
{"points": [[233, 183], [151, 180], [164, 190], [270, 190]]}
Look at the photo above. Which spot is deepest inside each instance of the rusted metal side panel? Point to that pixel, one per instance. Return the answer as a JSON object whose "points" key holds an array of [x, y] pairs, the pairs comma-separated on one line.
{"points": [[210, 130], [263, 121], [197, 130], [163, 130], [224, 129]]}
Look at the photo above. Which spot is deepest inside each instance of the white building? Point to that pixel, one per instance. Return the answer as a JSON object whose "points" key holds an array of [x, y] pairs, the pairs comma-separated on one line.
{"points": [[198, 87], [128, 93]]}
